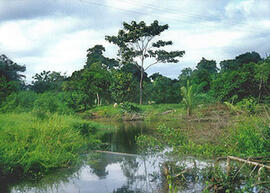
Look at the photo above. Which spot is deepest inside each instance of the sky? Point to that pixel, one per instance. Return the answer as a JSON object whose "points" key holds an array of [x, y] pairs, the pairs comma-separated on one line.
{"points": [[55, 34]]}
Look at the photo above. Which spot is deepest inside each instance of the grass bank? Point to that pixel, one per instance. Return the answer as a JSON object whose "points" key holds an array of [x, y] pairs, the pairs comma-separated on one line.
{"points": [[131, 111], [244, 136], [33, 144]]}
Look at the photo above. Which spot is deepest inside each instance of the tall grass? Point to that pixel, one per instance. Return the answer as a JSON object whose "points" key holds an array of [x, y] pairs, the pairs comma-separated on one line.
{"points": [[31, 146]]}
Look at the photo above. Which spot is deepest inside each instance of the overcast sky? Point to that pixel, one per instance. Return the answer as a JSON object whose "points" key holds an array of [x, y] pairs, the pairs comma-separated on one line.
{"points": [[55, 34]]}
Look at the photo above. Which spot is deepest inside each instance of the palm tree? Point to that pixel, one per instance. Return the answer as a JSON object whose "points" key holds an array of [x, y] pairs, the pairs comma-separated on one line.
{"points": [[188, 97]]}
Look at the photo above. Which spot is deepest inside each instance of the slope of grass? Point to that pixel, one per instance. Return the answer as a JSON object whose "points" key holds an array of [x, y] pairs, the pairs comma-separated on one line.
{"points": [[245, 136], [33, 146], [148, 112]]}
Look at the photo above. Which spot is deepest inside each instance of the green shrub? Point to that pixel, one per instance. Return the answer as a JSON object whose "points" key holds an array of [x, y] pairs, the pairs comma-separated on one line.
{"points": [[128, 107], [250, 137], [205, 98], [19, 102], [27, 101], [247, 105]]}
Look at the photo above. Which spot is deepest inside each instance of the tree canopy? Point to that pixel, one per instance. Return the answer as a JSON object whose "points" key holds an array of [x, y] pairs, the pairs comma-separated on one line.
{"points": [[11, 77], [136, 44]]}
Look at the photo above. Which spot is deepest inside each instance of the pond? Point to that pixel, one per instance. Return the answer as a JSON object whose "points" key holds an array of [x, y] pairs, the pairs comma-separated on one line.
{"points": [[124, 172], [106, 172]]}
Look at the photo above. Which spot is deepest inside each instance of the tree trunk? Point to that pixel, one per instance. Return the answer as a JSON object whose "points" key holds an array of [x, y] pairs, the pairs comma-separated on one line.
{"points": [[98, 103], [141, 85], [260, 90], [188, 111]]}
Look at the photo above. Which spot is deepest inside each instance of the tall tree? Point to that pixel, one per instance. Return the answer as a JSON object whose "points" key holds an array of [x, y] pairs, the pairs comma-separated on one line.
{"points": [[185, 76], [239, 61], [93, 82], [262, 76], [136, 44], [10, 76], [164, 89], [123, 87], [46, 81], [203, 74], [95, 54]]}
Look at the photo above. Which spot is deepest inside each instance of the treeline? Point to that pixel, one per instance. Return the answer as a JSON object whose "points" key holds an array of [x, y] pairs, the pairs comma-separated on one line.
{"points": [[104, 81]]}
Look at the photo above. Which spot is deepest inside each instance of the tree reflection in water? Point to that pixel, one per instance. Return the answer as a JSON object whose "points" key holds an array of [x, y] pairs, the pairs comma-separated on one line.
{"points": [[101, 172]]}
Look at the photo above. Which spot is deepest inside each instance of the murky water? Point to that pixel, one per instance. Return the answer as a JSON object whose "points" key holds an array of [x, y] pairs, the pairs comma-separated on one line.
{"points": [[114, 173], [109, 173], [103, 172]]}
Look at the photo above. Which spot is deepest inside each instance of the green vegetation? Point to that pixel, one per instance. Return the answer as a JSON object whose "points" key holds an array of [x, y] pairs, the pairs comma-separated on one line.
{"points": [[135, 42], [243, 136], [42, 126], [188, 98], [32, 146], [146, 112]]}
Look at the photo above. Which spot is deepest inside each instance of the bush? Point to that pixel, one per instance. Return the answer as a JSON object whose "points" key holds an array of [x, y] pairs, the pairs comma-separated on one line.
{"points": [[27, 101], [129, 108], [19, 102], [205, 98], [250, 137], [248, 105]]}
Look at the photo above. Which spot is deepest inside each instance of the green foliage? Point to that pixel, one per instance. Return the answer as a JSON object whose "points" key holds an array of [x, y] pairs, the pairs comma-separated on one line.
{"points": [[162, 90], [164, 137], [47, 81], [85, 128], [34, 147], [10, 77], [239, 61], [232, 108], [148, 112], [19, 102], [148, 144], [185, 76], [188, 98], [205, 98], [242, 77], [262, 76], [204, 74], [218, 180], [40, 114], [249, 137], [123, 87], [135, 42], [27, 101], [95, 55], [128, 108], [248, 105], [92, 82]]}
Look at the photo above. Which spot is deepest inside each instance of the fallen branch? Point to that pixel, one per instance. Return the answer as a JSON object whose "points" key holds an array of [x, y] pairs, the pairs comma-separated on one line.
{"points": [[249, 162]]}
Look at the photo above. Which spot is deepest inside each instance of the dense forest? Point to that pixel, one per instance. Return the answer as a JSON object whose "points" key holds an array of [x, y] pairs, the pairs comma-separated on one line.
{"points": [[104, 81]]}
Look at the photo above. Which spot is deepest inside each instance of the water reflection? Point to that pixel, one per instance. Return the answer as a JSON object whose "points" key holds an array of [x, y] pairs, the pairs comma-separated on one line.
{"points": [[102, 173], [122, 139], [106, 173]]}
